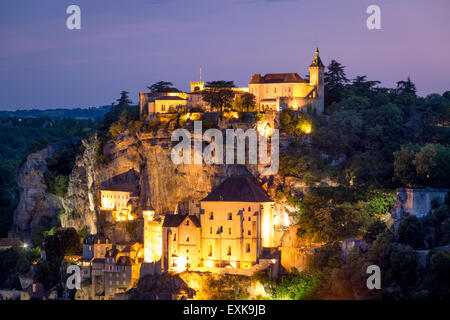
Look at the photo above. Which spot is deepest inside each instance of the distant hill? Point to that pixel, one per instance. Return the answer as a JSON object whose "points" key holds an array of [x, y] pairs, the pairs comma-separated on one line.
{"points": [[77, 113]]}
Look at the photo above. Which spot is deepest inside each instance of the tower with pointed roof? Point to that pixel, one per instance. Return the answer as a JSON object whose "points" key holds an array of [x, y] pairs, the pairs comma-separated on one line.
{"points": [[316, 70]]}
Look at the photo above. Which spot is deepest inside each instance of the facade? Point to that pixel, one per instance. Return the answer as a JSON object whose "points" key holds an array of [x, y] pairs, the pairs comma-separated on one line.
{"points": [[118, 199], [237, 222], [273, 92], [106, 268], [233, 225], [276, 91]]}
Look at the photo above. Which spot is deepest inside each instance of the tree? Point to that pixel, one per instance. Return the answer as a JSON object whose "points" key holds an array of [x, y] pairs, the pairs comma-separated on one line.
{"points": [[432, 165], [248, 100], [410, 232], [218, 94], [161, 86], [334, 80], [123, 101], [363, 87], [406, 87], [404, 167]]}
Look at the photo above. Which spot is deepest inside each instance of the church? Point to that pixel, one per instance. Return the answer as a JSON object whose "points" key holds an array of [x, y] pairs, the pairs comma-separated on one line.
{"points": [[272, 91]]}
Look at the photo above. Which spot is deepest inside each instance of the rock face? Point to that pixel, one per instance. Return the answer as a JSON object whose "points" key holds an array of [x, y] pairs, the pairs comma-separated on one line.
{"points": [[80, 201], [142, 159], [36, 206]]}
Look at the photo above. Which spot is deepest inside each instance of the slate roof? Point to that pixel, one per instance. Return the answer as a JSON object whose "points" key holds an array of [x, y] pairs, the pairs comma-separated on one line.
{"points": [[174, 220], [277, 78], [239, 189]]}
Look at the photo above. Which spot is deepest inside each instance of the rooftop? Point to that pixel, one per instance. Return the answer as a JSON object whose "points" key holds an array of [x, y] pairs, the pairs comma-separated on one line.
{"points": [[239, 189], [174, 220], [276, 78]]}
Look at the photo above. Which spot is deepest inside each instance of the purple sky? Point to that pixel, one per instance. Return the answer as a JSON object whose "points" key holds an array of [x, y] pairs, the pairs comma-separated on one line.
{"points": [[128, 45]]}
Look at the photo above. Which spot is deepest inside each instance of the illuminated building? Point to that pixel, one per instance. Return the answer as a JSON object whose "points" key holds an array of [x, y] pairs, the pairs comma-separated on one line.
{"points": [[276, 91], [118, 199], [237, 222]]}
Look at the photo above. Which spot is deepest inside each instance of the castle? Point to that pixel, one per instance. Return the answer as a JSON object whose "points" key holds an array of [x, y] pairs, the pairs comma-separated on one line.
{"points": [[272, 92]]}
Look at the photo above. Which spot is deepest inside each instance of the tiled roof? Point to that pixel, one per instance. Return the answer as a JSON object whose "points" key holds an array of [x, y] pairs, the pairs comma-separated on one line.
{"points": [[277, 78], [239, 189]]}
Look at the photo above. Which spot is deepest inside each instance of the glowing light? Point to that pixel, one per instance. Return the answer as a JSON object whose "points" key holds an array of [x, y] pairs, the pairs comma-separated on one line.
{"points": [[209, 263], [179, 264], [306, 127]]}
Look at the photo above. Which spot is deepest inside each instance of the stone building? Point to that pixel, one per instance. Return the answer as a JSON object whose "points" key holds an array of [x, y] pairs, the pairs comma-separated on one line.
{"points": [[118, 199], [277, 91], [233, 225], [106, 268]]}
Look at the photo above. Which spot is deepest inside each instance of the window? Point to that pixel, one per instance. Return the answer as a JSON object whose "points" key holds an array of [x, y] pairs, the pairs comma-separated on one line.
{"points": [[248, 247], [211, 216], [210, 251], [249, 219], [221, 229], [210, 230], [187, 222], [187, 238], [229, 230], [229, 251], [174, 237], [230, 216], [275, 90], [249, 233], [249, 209], [187, 250]]}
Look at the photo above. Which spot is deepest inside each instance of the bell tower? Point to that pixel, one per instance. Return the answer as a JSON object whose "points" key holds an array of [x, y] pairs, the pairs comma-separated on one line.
{"points": [[316, 70]]}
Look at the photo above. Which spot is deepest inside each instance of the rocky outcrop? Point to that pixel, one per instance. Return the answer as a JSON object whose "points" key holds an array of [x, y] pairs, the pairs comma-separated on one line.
{"points": [[80, 201], [36, 206]]}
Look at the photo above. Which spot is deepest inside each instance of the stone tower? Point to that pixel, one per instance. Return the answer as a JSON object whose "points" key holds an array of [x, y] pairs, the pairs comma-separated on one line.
{"points": [[316, 70]]}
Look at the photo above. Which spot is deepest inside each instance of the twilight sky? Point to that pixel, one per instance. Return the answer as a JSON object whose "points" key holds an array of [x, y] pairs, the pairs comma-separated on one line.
{"points": [[128, 45]]}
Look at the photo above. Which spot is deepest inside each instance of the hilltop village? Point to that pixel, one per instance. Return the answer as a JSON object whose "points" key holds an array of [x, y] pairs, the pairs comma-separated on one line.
{"points": [[152, 228], [232, 230]]}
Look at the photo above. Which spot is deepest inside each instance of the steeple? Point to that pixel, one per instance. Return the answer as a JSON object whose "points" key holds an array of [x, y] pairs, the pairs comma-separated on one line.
{"points": [[317, 62]]}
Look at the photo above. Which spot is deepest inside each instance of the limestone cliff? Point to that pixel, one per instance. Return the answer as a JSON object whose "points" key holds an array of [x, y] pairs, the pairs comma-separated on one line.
{"points": [[36, 206]]}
